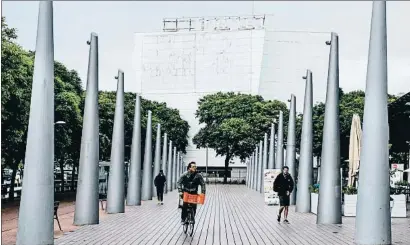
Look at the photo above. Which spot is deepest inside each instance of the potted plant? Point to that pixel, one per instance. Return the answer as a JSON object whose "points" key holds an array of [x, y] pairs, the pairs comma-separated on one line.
{"points": [[314, 197], [398, 204], [402, 184], [350, 200]]}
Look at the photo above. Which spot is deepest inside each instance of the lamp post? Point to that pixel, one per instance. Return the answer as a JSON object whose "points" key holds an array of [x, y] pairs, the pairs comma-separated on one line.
{"points": [[86, 202], [206, 167], [38, 191], [373, 214], [59, 123], [60, 160]]}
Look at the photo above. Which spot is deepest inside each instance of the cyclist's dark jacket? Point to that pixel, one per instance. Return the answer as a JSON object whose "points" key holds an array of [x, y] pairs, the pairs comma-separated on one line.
{"points": [[189, 183]]}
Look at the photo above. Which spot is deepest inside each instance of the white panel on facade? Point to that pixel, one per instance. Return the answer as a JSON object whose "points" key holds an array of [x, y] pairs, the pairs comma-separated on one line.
{"points": [[180, 67], [286, 57]]}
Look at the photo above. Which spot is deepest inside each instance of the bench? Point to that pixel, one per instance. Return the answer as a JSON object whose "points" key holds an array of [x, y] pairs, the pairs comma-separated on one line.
{"points": [[4, 191], [56, 204]]}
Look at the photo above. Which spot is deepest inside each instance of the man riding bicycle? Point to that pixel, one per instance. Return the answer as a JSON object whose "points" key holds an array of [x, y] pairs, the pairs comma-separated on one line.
{"points": [[189, 182]]}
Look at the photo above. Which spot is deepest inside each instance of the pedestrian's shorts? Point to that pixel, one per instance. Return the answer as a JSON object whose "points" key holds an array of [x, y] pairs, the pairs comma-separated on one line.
{"points": [[284, 200]]}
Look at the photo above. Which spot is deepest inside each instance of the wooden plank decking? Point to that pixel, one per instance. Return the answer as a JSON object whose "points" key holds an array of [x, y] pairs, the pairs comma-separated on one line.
{"points": [[232, 214]]}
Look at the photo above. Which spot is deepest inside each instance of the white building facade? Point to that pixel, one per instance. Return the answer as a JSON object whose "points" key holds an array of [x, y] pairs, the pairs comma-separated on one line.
{"points": [[194, 57]]}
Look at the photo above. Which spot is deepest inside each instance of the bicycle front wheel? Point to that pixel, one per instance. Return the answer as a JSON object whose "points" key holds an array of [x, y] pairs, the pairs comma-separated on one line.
{"points": [[191, 223], [186, 225]]}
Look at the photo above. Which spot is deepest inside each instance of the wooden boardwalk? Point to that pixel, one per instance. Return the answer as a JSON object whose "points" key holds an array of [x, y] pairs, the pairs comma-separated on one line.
{"points": [[232, 214]]}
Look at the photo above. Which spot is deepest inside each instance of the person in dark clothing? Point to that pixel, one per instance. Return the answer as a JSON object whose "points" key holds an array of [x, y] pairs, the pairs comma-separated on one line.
{"points": [[159, 183], [283, 185], [189, 182]]}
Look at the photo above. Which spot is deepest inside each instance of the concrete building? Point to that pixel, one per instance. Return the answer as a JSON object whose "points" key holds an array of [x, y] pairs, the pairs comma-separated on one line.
{"points": [[193, 57]]}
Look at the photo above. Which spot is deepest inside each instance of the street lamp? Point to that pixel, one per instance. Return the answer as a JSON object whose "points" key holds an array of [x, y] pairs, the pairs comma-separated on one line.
{"points": [[58, 160], [59, 123], [206, 167]]}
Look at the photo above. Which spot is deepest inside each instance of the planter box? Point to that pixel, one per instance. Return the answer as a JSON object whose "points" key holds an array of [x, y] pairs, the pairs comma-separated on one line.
{"points": [[398, 211], [314, 199], [349, 208]]}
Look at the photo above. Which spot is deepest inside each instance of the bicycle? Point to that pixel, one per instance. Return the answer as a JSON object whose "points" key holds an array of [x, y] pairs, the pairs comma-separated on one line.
{"points": [[191, 200]]}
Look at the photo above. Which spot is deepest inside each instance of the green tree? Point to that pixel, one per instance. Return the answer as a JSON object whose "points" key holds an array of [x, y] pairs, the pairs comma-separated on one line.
{"points": [[17, 72], [350, 103], [16, 76], [68, 99], [234, 123], [170, 120]]}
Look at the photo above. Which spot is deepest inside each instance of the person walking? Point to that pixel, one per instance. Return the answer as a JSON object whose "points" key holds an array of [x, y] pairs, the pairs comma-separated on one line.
{"points": [[283, 185], [159, 183]]}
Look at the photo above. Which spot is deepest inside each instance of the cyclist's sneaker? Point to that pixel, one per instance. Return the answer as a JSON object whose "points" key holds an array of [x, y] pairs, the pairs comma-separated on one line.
{"points": [[278, 218], [162, 203], [286, 221]]}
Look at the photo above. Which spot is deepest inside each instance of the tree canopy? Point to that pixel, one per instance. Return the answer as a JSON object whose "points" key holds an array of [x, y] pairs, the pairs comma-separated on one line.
{"points": [[234, 123], [16, 76], [170, 120], [17, 73], [350, 103]]}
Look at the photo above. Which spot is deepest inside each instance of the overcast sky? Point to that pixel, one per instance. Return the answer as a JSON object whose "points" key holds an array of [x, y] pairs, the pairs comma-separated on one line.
{"points": [[115, 22]]}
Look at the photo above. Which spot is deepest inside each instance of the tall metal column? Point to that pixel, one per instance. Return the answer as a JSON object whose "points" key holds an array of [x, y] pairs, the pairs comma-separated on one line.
{"points": [[178, 167], [253, 171], [265, 152], [86, 203], [279, 147], [305, 176], [249, 172], [291, 144], [147, 169], [252, 177], [182, 165], [257, 179], [174, 169], [329, 209], [260, 172], [181, 169], [157, 159], [35, 220], [248, 163], [164, 158], [116, 183], [271, 162], [134, 182], [373, 218], [169, 171], [206, 161]]}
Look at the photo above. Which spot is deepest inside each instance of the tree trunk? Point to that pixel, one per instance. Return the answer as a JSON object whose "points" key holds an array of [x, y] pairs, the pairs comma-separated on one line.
{"points": [[227, 159], [13, 179], [61, 161], [73, 178]]}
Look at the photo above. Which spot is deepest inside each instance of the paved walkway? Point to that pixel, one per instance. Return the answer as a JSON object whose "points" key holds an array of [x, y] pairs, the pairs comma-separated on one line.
{"points": [[9, 216], [232, 214]]}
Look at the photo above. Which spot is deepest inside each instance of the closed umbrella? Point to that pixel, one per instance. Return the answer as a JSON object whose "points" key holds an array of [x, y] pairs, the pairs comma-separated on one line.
{"points": [[354, 148]]}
